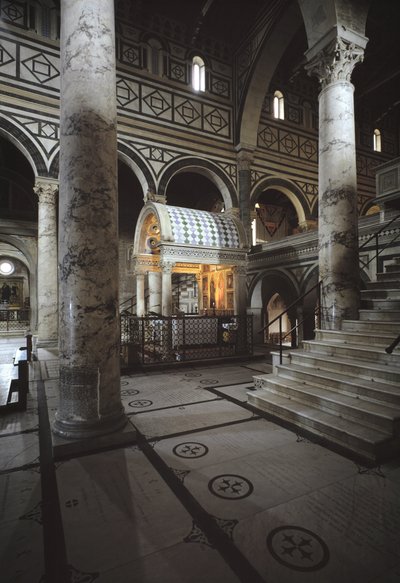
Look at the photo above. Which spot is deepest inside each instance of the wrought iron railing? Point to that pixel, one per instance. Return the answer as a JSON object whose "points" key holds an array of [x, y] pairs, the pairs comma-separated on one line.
{"points": [[376, 236], [162, 340], [14, 319], [316, 315]]}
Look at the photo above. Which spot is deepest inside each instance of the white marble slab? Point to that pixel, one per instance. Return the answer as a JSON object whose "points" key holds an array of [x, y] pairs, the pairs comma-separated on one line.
{"points": [[18, 450], [188, 417], [118, 502]]}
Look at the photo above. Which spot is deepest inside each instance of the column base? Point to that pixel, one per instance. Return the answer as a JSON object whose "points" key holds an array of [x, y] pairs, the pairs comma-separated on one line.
{"points": [[72, 438]]}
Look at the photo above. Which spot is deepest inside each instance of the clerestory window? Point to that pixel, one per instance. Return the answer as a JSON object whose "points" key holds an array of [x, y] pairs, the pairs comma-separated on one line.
{"points": [[377, 141], [279, 105], [198, 74]]}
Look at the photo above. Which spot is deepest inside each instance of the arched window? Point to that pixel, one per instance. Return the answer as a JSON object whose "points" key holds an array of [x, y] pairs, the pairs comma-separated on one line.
{"points": [[377, 141], [155, 55], [198, 74], [279, 105]]}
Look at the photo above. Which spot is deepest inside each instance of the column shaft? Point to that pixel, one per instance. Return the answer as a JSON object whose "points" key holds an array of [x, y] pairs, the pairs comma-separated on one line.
{"points": [[155, 285], [166, 294], [46, 191], [338, 215], [90, 402], [140, 299]]}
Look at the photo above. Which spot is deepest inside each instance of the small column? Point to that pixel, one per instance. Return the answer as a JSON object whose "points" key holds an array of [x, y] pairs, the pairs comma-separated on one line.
{"points": [[47, 191], [244, 161], [338, 214], [200, 305], [90, 400], [240, 298], [166, 299], [155, 285], [140, 295]]}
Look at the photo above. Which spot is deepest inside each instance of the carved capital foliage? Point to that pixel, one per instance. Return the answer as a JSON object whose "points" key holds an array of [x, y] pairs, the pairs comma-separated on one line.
{"points": [[167, 266], [240, 270], [46, 191], [152, 197], [335, 62]]}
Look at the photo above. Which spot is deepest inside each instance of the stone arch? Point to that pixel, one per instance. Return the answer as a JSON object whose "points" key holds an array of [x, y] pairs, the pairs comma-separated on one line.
{"points": [[30, 263], [289, 189], [205, 168], [14, 134], [262, 289], [138, 166], [265, 65]]}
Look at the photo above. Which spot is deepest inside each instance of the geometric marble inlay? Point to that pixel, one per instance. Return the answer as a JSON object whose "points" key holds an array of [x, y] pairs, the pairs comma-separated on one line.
{"points": [[230, 487], [298, 548], [5, 57], [41, 68], [190, 450], [194, 227]]}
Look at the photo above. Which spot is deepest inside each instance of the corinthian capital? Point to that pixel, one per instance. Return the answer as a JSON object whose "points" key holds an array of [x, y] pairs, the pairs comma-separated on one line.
{"points": [[335, 61], [46, 190]]}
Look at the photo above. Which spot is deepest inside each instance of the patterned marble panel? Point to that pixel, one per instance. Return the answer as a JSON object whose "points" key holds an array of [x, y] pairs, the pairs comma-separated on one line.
{"points": [[193, 227]]}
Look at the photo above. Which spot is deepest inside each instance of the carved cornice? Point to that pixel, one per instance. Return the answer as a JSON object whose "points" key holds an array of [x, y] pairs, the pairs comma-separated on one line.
{"points": [[336, 61], [195, 254]]}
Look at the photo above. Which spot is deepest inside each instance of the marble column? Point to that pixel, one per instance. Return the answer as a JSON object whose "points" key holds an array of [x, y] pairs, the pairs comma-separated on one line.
{"points": [[338, 214], [90, 402], [240, 298], [166, 294], [244, 161], [240, 289], [155, 285], [140, 294], [47, 272]]}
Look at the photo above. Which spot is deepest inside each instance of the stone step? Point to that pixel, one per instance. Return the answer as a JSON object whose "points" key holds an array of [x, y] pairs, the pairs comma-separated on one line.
{"points": [[372, 414], [378, 339], [390, 328], [380, 303], [345, 365], [376, 390], [389, 275], [380, 294], [358, 439], [383, 285], [382, 315], [372, 355]]}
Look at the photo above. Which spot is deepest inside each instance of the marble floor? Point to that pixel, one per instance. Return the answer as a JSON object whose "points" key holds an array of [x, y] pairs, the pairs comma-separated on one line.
{"points": [[211, 492]]}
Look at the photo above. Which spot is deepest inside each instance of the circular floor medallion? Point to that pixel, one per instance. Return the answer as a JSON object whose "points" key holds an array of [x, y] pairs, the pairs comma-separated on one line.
{"points": [[230, 487], [208, 382], [129, 392], [140, 403], [298, 548], [190, 450]]}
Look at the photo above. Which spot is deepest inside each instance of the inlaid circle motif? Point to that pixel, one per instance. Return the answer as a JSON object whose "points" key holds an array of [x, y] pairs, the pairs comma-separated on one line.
{"points": [[129, 392], [190, 450], [208, 382], [140, 403], [230, 487], [298, 548]]}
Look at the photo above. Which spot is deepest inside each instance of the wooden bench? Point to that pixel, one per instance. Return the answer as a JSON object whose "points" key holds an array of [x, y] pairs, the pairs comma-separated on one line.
{"points": [[14, 382]]}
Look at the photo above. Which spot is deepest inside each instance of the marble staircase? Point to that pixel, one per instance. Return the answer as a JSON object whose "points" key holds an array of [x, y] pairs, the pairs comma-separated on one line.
{"points": [[342, 386]]}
